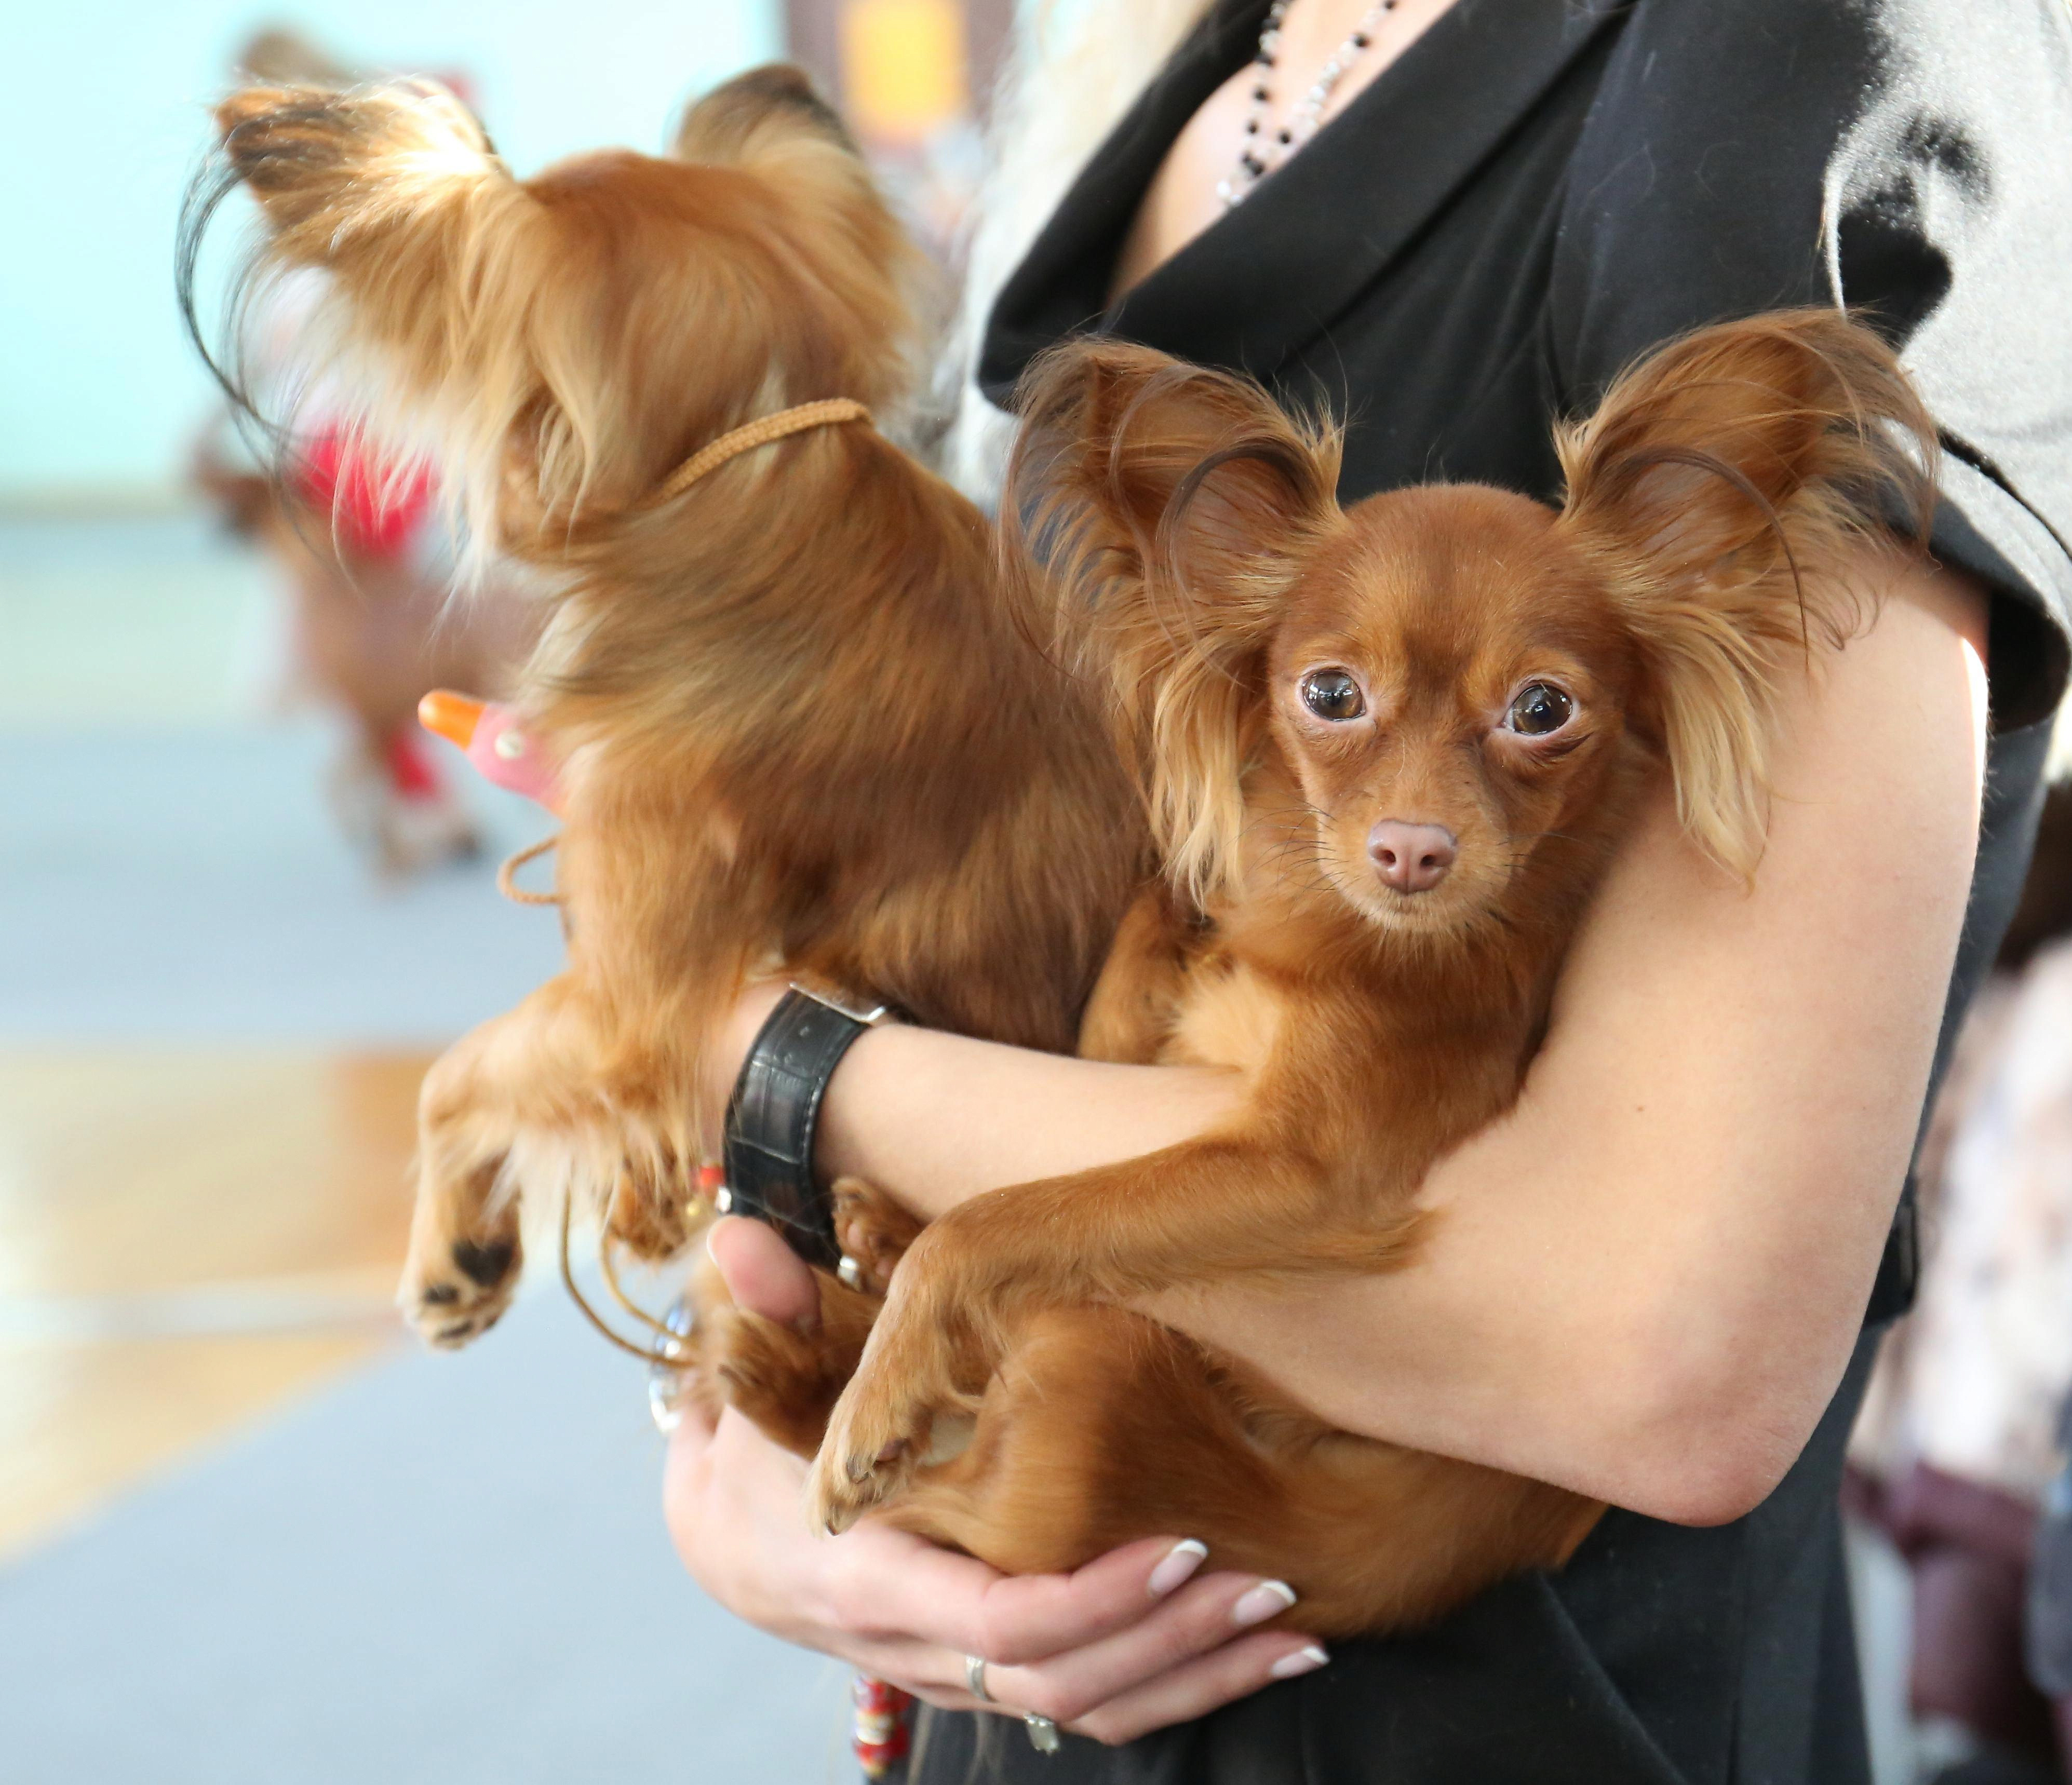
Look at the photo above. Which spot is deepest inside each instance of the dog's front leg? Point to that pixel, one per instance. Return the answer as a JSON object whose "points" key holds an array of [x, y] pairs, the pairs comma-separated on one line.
{"points": [[515, 1072], [1212, 1208]]}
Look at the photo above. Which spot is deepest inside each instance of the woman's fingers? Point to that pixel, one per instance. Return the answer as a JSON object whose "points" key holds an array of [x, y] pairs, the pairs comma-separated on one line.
{"points": [[1027, 1617], [1209, 1615], [883, 1580], [762, 1274], [1205, 1684], [1135, 1639], [882, 1584]]}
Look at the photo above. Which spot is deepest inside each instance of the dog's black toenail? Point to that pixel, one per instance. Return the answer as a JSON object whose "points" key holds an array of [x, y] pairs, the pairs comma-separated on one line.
{"points": [[485, 1264], [440, 1295]]}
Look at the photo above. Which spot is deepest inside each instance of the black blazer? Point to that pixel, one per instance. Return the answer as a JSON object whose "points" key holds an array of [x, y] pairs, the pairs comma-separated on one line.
{"points": [[1534, 193]]}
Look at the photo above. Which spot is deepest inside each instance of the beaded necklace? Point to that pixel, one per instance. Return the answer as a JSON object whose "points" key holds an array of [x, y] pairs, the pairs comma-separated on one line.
{"points": [[1256, 160]]}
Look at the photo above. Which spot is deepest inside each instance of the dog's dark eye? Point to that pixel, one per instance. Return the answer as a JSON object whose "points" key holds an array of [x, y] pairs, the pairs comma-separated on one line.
{"points": [[1538, 708], [1332, 694]]}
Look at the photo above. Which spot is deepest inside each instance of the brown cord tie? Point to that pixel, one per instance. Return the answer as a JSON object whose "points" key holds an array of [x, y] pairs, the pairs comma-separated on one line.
{"points": [[828, 413], [507, 880], [668, 1346]]}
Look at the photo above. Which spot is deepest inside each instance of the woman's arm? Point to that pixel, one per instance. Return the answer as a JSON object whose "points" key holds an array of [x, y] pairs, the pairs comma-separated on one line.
{"points": [[1646, 1280]]}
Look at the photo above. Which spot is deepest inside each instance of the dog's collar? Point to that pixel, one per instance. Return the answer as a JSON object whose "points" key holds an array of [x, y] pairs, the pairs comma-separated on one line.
{"points": [[831, 412]]}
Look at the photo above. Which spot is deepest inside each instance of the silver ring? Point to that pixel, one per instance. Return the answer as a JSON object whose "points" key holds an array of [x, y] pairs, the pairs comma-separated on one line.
{"points": [[1042, 1733], [975, 1679]]}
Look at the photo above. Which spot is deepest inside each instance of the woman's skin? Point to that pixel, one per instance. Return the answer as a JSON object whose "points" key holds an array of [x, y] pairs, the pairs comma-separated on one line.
{"points": [[1645, 1282], [1182, 201]]}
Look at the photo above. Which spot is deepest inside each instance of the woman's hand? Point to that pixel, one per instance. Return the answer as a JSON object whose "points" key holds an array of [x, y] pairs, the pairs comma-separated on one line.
{"points": [[1131, 1642]]}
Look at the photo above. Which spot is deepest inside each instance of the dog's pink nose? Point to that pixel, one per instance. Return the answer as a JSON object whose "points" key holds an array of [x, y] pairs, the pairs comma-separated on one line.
{"points": [[1412, 858]]}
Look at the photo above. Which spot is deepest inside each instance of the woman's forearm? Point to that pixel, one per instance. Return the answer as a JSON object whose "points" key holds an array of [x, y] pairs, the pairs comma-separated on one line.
{"points": [[1645, 1282], [939, 1117], [934, 1118]]}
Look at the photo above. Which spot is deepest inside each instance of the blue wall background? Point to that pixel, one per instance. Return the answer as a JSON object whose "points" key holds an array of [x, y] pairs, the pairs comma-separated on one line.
{"points": [[104, 120]]}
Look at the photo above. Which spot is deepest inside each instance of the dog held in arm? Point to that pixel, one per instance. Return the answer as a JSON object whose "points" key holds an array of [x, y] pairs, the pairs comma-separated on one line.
{"points": [[1384, 753], [796, 727], [1387, 752]]}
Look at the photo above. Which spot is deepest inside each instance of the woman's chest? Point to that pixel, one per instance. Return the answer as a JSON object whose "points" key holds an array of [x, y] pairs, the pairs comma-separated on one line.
{"points": [[1397, 273]]}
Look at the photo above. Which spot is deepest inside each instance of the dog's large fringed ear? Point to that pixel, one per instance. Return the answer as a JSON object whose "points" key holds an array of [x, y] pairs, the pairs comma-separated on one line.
{"points": [[1154, 514], [1727, 483], [394, 193], [772, 123], [767, 112]]}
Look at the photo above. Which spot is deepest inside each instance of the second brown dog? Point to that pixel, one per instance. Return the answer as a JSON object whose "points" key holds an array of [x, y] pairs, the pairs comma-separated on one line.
{"points": [[1388, 753]]}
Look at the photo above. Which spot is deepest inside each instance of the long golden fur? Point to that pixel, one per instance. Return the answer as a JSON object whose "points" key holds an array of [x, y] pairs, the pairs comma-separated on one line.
{"points": [[795, 722], [1302, 687]]}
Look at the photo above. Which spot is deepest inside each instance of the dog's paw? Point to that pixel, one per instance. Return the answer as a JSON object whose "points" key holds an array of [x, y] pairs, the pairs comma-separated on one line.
{"points": [[868, 1454], [903, 1396], [461, 1290], [874, 1233]]}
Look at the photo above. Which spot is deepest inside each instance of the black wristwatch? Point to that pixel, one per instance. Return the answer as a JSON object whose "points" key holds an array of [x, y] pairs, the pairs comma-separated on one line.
{"points": [[767, 1149]]}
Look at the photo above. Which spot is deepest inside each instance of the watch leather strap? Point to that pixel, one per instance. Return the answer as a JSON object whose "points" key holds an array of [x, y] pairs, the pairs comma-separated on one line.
{"points": [[771, 1119]]}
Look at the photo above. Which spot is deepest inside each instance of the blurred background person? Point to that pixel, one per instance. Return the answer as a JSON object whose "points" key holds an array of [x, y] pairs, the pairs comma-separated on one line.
{"points": [[1962, 1433]]}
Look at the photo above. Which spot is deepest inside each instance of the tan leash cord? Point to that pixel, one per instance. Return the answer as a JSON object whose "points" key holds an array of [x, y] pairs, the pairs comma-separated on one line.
{"points": [[671, 1353], [507, 875], [831, 412]]}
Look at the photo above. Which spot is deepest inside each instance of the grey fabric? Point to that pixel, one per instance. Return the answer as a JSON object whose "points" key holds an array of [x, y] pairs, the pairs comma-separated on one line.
{"points": [[190, 886], [451, 1569]]}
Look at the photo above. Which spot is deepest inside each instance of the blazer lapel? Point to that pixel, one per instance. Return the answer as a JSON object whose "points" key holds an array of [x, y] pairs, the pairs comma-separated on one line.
{"points": [[1061, 286], [1265, 279]]}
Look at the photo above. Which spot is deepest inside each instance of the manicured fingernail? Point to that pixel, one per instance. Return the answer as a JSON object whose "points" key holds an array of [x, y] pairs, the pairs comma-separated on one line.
{"points": [[1268, 1599], [1175, 1566], [1303, 1660]]}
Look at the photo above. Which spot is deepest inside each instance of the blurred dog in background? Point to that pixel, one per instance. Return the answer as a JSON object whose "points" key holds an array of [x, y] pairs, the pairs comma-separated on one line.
{"points": [[366, 561]]}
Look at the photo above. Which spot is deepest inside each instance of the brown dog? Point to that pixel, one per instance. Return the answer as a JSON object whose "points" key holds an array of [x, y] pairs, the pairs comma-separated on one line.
{"points": [[1388, 753], [372, 629], [795, 722]]}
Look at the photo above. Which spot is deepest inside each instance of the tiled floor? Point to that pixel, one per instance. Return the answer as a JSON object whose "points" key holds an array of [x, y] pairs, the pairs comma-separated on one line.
{"points": [[187, 1239], [212, 1020]]}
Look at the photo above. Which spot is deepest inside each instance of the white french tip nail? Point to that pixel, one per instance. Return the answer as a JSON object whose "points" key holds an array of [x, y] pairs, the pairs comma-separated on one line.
{"points": [[1303, 1660], [1268, 1599], [1175, 1566]]}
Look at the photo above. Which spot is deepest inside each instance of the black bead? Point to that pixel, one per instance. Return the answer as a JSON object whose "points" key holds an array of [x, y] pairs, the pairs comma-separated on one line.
{"points": [[1287, 136], [1260, 92], [1251, 126], [1361, 40]]}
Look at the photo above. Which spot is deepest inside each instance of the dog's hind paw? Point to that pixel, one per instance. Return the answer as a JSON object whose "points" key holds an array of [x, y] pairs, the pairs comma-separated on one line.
{"points": [[461, 1293]]}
